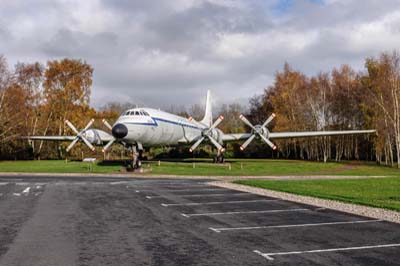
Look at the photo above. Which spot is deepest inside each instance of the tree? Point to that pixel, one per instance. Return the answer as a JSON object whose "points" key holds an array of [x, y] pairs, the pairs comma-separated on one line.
{"points": [[67, 94], [383, 85]]}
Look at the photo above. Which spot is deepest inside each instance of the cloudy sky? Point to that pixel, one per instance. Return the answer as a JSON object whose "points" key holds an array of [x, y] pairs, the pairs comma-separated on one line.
{"points": [[163, 52]]}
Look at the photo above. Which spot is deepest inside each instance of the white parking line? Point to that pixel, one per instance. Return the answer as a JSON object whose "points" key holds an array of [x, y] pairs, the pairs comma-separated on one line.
{"points": [[26, 190], [241, 212], [216, 202], [218, 230], [3, 183], [193, 189], [181, 190], [201, 195], [268, 256]]}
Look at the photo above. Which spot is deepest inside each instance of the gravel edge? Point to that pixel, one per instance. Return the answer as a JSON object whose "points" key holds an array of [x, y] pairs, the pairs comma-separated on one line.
{"points": [[371, 212]]}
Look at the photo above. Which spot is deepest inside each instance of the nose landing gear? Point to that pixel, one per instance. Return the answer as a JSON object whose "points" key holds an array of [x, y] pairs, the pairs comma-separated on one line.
{"points": [[137, 154]]}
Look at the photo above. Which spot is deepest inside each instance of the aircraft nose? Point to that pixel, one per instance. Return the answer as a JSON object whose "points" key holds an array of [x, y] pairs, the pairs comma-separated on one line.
{"points": [[119, 131]]}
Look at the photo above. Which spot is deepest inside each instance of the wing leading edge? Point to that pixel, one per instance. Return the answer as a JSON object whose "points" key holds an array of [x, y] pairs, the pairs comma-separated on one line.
{"points": [[284, 135]]}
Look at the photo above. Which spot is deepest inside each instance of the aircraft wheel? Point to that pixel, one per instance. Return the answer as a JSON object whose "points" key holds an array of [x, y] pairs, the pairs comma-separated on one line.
{"points": [[138, 164]]}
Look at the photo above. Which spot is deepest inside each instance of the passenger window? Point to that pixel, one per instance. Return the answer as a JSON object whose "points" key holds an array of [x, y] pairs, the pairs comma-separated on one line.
{"points": [[136, 113]]}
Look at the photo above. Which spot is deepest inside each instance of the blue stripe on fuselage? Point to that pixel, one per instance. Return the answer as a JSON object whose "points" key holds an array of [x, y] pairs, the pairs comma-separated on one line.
{"points": [[155, 119]]}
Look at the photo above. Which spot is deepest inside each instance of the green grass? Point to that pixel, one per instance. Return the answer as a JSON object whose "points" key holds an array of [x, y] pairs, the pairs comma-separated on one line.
{"points": [[204, 167], [55, 166], [269, 167], [376, 192]]}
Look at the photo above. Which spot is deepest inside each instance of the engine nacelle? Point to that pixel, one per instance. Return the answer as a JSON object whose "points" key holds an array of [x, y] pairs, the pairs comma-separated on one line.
{"points": [[216, 134], [261, 130], [97, 136]]}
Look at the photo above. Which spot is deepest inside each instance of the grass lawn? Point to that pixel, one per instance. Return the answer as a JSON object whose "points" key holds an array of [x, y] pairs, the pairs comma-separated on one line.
{"points": [[204, 167], [243, 167], [376, 192], [55, 166]]}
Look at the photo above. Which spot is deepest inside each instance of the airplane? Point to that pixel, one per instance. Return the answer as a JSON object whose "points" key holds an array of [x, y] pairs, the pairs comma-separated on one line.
{"points": [[140, 128]]}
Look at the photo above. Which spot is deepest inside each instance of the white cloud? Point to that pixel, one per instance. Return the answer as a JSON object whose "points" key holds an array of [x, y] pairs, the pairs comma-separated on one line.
{"points": [[151, 51]]}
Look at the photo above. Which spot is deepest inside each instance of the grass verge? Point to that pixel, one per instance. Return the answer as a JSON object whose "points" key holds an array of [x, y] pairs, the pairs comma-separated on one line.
{"points": [[375, 192], [204, 167]]}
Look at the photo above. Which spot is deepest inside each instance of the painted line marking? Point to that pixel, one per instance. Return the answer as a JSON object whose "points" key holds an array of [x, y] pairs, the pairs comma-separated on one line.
{"points": [[268, 256], [241, 212], [17, 194], [201, 195], [187, 190], [3, 183], [22, 183], [26, 190], [215, 202], [220, 229]]}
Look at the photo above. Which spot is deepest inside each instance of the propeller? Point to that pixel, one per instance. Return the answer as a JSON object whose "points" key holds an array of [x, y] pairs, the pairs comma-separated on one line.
{"points": [[208, 133], [258, 131], [108, 145], [79, 135]]}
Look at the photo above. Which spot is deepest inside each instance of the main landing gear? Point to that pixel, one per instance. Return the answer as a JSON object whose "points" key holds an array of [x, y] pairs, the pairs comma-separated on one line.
{"points": [[219, 158]]}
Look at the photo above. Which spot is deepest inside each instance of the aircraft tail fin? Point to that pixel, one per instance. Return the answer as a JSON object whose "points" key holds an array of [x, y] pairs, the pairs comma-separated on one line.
{"points": [[207, 120]]}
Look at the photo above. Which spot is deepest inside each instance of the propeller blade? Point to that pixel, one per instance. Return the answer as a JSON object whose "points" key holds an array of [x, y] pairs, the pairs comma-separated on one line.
{"points": [[107, 124], [71, 126], [272, 145], [88, 143], [247, 122], [108, 145], [270, 118], [216, 144], [72, 144], [247, 142], [198, 124], [217, 122], [196, 144], [88, 125]]}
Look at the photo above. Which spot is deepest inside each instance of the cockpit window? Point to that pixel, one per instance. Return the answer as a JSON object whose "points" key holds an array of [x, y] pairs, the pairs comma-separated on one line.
{"points": [[126, 113], [136, 113], [145, 113]]}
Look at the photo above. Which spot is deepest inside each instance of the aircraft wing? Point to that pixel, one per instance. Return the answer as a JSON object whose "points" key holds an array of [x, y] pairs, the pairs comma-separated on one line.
{"points": [[59, 138], [302, 134], [234, 137], [283, 135]]}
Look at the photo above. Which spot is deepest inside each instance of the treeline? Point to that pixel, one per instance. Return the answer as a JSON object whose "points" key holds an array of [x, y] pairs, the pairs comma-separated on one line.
{"points": [[342, 99], [36, 99]]}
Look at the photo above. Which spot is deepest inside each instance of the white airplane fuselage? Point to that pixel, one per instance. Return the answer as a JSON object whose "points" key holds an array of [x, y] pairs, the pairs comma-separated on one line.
{"points": [[151, 127]]}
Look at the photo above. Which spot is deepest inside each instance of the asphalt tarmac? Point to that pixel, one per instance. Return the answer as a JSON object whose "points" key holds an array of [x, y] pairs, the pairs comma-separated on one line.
{"points": [[127, 221]]}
